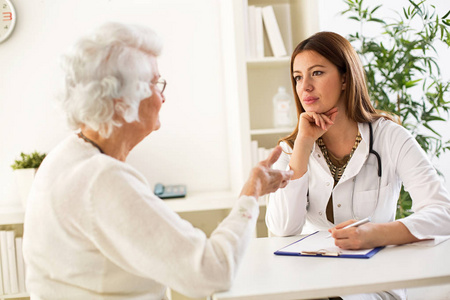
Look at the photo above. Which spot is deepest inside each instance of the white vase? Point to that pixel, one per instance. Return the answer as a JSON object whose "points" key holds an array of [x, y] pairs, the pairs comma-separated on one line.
{"points": [[24, 179]]}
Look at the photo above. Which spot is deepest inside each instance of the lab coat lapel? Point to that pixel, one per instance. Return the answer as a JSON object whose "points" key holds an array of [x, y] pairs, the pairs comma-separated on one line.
{"points": [[360, 155], [320, 187], [320, 160]]}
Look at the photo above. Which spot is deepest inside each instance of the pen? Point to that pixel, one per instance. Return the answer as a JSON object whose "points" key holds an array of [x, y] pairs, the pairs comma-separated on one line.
{"points": [[356, 224]]}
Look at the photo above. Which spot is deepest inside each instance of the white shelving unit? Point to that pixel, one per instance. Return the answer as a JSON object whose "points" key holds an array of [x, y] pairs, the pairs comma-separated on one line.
{"points": [[267, 61], [12, 218], [21, 296], [11, 215], [198, 202], [251, 83], [285, 130]]}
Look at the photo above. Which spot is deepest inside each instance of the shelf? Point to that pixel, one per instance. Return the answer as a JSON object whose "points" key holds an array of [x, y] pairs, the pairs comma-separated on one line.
{"points": [[271, 131], [195, 202], [268, 61], [15, 296], [11, 215]]}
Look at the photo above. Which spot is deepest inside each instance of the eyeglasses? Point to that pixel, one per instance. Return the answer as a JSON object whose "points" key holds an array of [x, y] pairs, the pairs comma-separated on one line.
{"points": [[161, 84]]}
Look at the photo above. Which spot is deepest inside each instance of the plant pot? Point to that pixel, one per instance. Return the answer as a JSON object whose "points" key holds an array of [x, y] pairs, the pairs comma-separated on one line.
{"points": [[24, 179]]}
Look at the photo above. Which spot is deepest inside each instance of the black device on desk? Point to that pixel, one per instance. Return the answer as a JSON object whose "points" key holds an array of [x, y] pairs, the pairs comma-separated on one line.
{"points": [[170, 191]]}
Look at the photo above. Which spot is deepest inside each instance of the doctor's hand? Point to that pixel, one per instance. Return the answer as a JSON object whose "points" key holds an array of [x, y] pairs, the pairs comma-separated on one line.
{"points": [[371, 235], [313, 125], [263, 179], [355, 238]]}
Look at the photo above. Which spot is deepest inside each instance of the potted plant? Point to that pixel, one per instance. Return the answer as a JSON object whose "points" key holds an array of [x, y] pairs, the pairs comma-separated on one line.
{"points": [[402, 71], [24, 171]]}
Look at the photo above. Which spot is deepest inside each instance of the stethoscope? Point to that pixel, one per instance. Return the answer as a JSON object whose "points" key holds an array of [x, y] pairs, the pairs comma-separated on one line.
{"points": [[371, 151]]}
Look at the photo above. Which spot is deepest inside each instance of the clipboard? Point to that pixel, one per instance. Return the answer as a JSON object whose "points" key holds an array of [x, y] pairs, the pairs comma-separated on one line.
{"points": [[318, 244]]}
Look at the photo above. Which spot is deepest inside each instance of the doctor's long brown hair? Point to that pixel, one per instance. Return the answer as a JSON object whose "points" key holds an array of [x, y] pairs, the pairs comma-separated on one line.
{"points": [[339, 52]]}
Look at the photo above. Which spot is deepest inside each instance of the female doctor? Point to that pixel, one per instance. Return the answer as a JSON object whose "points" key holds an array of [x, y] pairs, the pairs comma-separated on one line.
{"points": [[350, 161]]}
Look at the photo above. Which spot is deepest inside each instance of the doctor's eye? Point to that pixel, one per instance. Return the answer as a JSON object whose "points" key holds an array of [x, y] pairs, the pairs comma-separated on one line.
{"points": [[317, 73], [297, 78]]}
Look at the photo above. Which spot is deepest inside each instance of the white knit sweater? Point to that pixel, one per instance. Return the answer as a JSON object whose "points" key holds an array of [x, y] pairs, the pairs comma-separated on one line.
{"points": [[94, 230]]}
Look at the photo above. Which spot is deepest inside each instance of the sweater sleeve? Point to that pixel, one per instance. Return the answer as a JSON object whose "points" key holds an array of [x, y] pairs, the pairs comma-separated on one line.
{"points": [[431, 202], [141, 234], [286, 211]]}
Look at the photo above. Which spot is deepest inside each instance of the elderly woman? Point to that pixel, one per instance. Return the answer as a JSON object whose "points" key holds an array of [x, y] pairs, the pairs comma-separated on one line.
{"points": [[93, 227]]}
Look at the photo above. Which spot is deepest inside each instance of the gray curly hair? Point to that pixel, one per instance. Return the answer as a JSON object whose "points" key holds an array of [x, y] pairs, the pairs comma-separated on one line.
{"points": [[108, 73]]}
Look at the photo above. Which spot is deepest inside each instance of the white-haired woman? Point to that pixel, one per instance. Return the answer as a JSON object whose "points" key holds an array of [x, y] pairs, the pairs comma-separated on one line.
{"points": [[93, 227]]}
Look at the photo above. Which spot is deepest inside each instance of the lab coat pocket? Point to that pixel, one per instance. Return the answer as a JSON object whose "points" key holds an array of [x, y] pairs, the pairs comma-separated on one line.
{"points": [[365, 203]]}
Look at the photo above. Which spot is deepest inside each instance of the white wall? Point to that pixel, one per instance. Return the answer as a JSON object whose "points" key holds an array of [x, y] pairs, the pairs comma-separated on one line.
{"points": [[332, 20], [190, 148]]}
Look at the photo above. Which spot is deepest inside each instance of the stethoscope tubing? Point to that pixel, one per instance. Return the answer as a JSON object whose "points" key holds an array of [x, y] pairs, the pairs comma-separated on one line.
{"points": [[371, 151]]}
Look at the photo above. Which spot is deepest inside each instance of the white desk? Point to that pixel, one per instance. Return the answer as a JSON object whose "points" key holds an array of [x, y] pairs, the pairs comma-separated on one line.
{"points": [[264, 275]]}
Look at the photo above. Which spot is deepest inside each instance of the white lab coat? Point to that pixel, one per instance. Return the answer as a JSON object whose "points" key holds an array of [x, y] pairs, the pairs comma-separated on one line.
{"points": [[403, 161]]}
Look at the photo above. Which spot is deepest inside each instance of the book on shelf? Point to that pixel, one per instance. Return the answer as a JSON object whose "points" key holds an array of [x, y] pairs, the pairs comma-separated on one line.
{"points": [[12, 265], [247, 29], [264, 153], [251, 32], [12, 269], [2, 291], [259, 33], [20, 265], [258, 153], [273, 32], [254, 148], [283, 15], [268, 27], [4, 260], [261, 153]]}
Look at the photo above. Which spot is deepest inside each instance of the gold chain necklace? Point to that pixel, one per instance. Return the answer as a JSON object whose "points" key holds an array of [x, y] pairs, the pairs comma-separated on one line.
{"points": [[336, 171]]}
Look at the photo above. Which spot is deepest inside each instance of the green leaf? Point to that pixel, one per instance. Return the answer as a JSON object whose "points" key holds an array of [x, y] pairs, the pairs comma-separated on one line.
{"points": [[429, 128], [28, 161], [406, 13], [376, 20], [435, 118], [412, 83], [375, 9]]}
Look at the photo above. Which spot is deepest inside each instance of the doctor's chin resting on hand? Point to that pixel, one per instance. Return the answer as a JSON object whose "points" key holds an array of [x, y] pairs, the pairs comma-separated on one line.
{"points": [[93, 227], [350, 161]]}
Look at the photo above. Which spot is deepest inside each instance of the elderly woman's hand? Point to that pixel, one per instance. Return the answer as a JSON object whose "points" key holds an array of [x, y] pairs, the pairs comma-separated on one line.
{"points": [[263, 179]]}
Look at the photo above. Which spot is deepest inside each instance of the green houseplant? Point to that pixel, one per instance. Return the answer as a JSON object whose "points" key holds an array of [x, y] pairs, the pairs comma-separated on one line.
{"points": [[28, 161], [24, 171], [402, 71]]}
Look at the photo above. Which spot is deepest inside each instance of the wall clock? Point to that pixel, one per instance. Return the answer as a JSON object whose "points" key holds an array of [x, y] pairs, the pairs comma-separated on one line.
{"points": [[7, 19]]}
